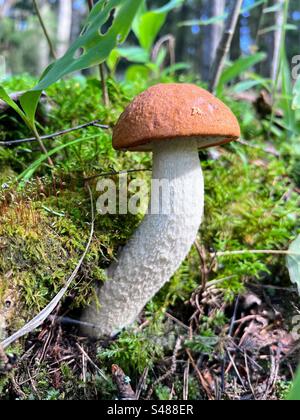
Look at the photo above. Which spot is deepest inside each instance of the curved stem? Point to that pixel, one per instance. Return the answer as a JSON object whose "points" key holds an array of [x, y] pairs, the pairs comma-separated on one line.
{"points": [[160, 244]]}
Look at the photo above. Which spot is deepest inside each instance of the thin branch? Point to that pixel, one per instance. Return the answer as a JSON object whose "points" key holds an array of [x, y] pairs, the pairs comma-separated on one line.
{"points": [[171, 371], [130, 171], [44, 314], [256, 251], [225, 45], [105, 95], [51, 47], [95, 123]]}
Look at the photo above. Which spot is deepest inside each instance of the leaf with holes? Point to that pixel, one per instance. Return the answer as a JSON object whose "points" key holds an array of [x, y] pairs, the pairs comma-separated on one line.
{"points": [[92, 46], [293, 262]]}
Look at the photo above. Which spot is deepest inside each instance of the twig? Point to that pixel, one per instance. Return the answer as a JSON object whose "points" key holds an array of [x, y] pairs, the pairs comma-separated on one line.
{"points": [[141, 383], [249, 376], [236, 370], [201, 379], [91, 362], [225, 45], [180, 323], [170, 372], [44, 314], [105, 95], [170, 39], [257, 251], [186, 375], [130, 171], [42, 146], [94, 123], [51, 47], [204, 268]]}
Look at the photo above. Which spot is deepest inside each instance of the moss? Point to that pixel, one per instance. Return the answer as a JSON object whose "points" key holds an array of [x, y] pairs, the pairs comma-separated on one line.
{"points": [[42, 241], [250, 204]]}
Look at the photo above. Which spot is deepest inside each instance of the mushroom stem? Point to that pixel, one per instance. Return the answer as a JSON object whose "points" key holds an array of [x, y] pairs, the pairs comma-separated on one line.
{"points": [[160, 244]]}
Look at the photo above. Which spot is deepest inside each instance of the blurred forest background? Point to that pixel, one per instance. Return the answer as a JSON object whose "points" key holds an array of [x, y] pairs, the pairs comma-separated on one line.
{"points": [[196, 27]]}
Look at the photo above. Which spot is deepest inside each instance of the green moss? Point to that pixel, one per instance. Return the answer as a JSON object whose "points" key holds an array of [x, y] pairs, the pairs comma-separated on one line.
{"points": [[250, 204]]}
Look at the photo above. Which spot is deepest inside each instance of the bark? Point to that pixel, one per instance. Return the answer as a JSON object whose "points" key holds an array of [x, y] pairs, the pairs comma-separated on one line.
{"points": [[225, 44], [212, 36], [236, 52], [270, 41], [6, 6], [279, 21], [64, 26]]}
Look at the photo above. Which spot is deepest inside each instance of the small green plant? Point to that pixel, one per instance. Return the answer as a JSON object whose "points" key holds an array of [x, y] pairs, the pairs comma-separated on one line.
{"points": [[295, 392], [133, 351], [146, 27]]}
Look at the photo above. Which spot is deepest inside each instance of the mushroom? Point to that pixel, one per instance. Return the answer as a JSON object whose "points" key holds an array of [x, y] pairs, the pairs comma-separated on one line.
{"points": [[174, 121]]}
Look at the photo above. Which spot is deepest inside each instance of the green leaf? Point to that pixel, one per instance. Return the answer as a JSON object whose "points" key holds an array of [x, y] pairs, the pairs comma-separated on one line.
{"points": [[169, 6], [246, 85], [296, 95], [206, 22], [92, 47], [286, 102], [29, 102], [220, 18], [137, 72], [295, 393], [112, 60], [6, 98], [273, 9], [293, 262], [273, 28], [239, 67], [147, 24], [134, 54], [176, 67]]}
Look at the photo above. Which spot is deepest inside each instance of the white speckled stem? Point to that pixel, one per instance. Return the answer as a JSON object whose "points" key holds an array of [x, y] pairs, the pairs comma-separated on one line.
{"points": [[159, 245]]}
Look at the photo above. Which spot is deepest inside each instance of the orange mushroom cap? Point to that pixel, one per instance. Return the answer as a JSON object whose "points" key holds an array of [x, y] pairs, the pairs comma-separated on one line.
{"points": [[170, 111]]}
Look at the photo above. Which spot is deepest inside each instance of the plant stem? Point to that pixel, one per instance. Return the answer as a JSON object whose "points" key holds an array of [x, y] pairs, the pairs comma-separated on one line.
{"points": [[51, 47], [256, 251], [42, 146], [105, 95], [225, 45]]}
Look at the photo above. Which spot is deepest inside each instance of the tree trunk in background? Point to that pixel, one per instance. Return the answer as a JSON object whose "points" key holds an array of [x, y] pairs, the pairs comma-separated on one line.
{"points": [[269, 41], [64, 26], [212, 35], [6, 6], [182, 34], [236, 52], [279, 21], [43, 50]]}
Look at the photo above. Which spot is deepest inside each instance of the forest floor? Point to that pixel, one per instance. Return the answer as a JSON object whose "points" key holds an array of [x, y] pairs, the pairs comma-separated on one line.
{"points": [[225, 327]]}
